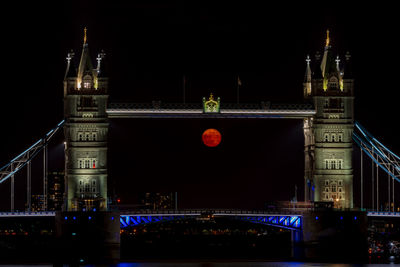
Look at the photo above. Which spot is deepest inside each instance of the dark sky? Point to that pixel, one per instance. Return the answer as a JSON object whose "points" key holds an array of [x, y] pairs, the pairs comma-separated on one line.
{"points": [[150, 45]]}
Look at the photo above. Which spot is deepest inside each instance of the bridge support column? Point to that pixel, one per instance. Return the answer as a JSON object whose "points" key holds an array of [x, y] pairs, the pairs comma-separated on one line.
{"points": [[335, 236], [296, 240], [88, 237]]}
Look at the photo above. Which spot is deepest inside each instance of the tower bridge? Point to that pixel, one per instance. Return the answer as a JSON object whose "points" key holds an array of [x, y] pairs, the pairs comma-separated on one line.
{"points": [[327, 112], [329, 135]]}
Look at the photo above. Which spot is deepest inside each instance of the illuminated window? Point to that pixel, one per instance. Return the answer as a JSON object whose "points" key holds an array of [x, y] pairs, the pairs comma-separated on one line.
{"points": [[87, 82], [333, 83]]}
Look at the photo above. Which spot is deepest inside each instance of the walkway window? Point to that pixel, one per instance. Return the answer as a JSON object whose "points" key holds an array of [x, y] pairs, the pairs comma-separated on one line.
{"points": [[333, 164]]}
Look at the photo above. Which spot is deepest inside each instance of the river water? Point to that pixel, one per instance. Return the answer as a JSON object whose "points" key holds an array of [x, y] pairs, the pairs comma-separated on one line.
{"points": [[219, 264]]}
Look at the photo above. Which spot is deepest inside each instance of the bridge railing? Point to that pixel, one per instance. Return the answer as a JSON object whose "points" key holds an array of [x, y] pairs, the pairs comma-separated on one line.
{"points": [[213, 211]]}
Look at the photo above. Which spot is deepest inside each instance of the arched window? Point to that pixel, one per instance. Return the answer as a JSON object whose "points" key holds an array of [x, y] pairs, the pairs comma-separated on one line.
{"points": [[333, 137], [340, 137], [326, 137], [333, 164], [333, 83], [94, 136], [339, 164], [87, 82], [80, 136], [326, 164]]}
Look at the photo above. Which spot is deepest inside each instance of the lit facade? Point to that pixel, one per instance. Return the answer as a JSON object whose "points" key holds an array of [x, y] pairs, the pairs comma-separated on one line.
{"points": [[86, 130], [328, 134]]}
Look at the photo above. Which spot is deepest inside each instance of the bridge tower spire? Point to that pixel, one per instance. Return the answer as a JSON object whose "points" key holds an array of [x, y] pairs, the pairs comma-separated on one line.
{"points": [[328, 135], [86, 130]]}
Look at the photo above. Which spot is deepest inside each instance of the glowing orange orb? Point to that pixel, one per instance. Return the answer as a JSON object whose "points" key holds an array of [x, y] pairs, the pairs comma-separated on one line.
{"points": [[211, 137]]}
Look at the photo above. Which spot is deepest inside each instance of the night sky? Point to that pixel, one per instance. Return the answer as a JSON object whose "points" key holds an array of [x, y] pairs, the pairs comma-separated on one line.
{"points": [[151, 45]]}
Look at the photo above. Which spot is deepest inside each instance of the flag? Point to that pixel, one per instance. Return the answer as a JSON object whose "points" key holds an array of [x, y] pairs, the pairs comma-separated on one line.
{"points": [[239, 82]]}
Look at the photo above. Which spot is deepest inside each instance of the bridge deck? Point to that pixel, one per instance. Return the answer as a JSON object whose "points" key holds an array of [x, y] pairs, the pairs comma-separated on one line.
{"points": [[161, 110]]}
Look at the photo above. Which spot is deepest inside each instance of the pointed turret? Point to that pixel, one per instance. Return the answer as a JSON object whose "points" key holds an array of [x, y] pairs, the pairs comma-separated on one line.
{"points": [[307, 78], [85, 65], [328, 62], [70, 72]]}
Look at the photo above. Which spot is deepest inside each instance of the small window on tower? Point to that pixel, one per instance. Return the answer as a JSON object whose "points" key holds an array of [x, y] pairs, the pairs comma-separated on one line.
{"points": [[333, 164], [326, 137], [87, 82]]}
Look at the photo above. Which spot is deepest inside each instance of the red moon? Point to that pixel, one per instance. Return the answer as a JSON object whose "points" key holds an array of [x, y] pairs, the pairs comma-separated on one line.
{"points": [[211, 137]]}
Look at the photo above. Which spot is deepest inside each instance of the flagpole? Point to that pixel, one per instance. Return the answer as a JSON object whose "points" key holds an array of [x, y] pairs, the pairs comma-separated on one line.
{"points": [[184, 89], [237, 89]]}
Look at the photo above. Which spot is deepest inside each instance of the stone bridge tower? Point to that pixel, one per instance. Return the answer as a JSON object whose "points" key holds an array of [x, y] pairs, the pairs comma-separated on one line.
{"points": [[328, 135], [86, 130]]}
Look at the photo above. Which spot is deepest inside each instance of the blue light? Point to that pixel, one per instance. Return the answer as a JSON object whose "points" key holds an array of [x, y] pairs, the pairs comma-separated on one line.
{"points": [[355, 217], [112, 218], [94, 209], [74, 218], [90, 217], [65, 218], [316, 217], [341, 217], [74, 234]]}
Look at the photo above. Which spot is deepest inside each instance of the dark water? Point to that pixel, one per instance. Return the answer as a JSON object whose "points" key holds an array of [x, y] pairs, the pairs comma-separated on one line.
{"points": [[221, 264]]}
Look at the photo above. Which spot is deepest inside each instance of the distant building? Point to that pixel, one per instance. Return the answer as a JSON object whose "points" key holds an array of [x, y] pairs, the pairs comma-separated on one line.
{"points": [[37, 202], [159, 201], [55, 199]]}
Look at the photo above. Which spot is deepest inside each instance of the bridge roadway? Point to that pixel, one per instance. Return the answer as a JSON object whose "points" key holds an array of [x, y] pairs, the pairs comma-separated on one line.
{"points": [[157, 109], [290, 219]]}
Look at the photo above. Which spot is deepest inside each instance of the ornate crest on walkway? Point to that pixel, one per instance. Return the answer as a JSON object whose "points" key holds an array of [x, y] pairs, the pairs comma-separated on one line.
{"points": [[211, 105]]}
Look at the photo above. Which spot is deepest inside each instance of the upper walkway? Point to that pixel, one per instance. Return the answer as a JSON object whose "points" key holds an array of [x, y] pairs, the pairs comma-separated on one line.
{"points": [[157, 109]]}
